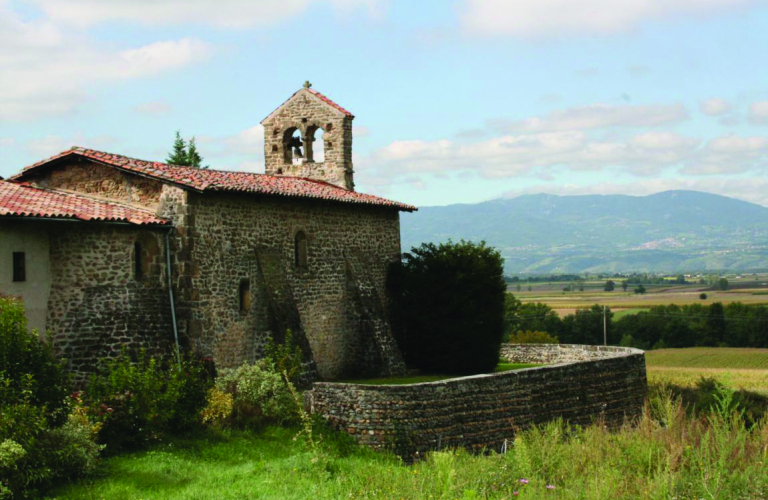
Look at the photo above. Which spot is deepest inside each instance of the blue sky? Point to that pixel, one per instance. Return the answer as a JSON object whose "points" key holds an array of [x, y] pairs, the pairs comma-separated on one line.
{"points": [[455, 101]]}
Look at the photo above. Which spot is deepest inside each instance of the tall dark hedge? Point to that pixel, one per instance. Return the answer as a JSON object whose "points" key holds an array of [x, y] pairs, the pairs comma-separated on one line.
{"points": [[448, 307]]}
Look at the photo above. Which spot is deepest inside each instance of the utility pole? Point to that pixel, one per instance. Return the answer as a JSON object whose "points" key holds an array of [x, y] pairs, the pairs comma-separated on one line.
{"points": [[605, 325]]}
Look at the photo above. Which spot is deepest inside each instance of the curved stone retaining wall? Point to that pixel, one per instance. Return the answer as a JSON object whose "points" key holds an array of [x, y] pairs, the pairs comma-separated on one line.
{"points": [[579, 384]]}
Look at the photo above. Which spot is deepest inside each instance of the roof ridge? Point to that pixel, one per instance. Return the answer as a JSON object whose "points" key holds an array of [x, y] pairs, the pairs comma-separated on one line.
{"points": [[223, 180]]}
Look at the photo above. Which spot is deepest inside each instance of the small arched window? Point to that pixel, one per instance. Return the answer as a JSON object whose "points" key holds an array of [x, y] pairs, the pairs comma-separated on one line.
{"points": [[315, 144], [138, 261], [300, 250], [244, 296]]}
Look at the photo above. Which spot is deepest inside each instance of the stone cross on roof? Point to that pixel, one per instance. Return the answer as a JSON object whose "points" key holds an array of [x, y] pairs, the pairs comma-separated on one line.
{"points": [[307, 84]]}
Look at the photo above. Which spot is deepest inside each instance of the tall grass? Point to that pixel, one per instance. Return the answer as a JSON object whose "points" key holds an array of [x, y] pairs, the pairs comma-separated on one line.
{"points": [[668, 453]]}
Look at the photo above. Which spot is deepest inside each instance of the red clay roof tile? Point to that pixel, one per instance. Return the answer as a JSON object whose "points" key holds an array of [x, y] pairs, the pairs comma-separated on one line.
{"points": [[20, 200], [220, 180]]}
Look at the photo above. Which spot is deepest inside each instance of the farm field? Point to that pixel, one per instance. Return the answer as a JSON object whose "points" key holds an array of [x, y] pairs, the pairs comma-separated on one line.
{"points": [[737, 368], [565, 303]]}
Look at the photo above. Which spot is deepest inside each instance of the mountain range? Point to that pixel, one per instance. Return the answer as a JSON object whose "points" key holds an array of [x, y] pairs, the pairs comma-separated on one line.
{"points": [[671, 231]]}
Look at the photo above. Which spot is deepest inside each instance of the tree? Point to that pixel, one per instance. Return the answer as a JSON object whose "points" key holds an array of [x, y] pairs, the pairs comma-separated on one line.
{"points": [[448, 304], [179, 154], [722, 284], [624, 285], [609, 286], [193, 157], [703, 296], [640, 289], [185, 154]]}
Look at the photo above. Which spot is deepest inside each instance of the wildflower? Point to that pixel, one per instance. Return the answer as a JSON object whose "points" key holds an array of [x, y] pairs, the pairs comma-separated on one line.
{"points": [[550, 487], [515, 493], [523, 481]]}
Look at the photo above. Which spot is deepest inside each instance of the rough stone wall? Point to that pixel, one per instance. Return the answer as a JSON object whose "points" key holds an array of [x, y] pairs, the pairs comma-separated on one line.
{"points": [[550, 354], [94, 179], [482, 411], [238, 237], [306, 112], [96, 305]]}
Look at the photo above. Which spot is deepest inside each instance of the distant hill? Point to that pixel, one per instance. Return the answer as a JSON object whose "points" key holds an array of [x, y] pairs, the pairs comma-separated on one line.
{"points": [[542, 233]]}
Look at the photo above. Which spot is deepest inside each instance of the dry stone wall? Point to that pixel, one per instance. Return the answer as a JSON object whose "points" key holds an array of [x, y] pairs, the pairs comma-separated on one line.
{"points": [[482, 411]]}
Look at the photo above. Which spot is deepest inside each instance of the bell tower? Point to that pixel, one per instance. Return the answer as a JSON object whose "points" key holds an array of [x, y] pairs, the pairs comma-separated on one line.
{"points": [[310, 136]]}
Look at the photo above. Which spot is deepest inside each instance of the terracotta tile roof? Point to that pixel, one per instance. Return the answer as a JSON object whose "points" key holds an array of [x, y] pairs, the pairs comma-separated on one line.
{"points": [[220, 180], [330, 102], [20, 200]]}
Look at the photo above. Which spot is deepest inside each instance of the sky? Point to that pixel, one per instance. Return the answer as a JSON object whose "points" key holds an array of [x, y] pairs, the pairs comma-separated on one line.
{"points": [[456, 101]]}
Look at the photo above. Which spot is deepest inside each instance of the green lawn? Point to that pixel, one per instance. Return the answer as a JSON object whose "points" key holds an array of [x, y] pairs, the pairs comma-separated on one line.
{"points": [[665, 457], [416, 379]]}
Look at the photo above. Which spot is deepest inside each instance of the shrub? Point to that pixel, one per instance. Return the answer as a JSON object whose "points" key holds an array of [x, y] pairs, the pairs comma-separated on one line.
{"points": [[259, 395], [286, 357], [448, 307], [30, 371], [142, 401], [32, 453], [532, 337], [218, 407], [703, 296]]}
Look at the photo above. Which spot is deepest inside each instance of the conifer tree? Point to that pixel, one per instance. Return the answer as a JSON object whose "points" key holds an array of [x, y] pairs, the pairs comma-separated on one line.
{"points": [[185, 154], [193, 157], [179, 155]]}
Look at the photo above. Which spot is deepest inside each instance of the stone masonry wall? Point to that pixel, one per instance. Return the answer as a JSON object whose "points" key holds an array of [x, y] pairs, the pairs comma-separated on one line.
{"points": [[306, 112], [482, 411], [89, 177], [240, 238], [97, 305]]}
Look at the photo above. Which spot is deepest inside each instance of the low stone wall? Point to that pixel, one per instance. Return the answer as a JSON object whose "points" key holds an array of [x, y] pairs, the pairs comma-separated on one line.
{"points": [[579, 384]]}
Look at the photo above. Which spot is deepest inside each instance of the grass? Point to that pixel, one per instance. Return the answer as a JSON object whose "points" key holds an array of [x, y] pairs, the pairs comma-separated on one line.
{"points": [[619, 313], [737, 368], [666, 455], [417, 379]]}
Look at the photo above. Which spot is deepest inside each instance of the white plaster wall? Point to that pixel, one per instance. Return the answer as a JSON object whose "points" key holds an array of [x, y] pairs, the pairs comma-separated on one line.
{"points": [[32, 239]]}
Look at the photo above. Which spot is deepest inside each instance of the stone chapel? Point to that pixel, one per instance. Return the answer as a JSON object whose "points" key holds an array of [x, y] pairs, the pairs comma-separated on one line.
{"points": [[111, 252]]}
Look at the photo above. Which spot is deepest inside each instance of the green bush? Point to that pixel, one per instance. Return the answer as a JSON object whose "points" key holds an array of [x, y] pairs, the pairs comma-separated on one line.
{"points": [[448, 307], [33, 453], [30, 371], [142, 401], [259, 393], [529, 337]]}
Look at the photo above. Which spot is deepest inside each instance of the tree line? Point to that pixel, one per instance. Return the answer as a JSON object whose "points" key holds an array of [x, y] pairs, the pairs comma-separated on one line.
{"points": [[715, 325]]}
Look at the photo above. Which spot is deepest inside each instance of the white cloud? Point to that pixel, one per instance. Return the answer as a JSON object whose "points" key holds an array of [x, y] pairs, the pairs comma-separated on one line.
{"points": [[758, 112], [729, 155], [221, 13], [532, 154], [598, 116], [715, 107], [47, 70], [544, 18]]}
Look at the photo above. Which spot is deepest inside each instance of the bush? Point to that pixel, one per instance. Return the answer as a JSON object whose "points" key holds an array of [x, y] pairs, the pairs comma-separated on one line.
{"points": [[703, 296], [532, 337], [259, 395], [448, 307], [32, 453], [144, 401], [40, 441], [30, 371]]}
